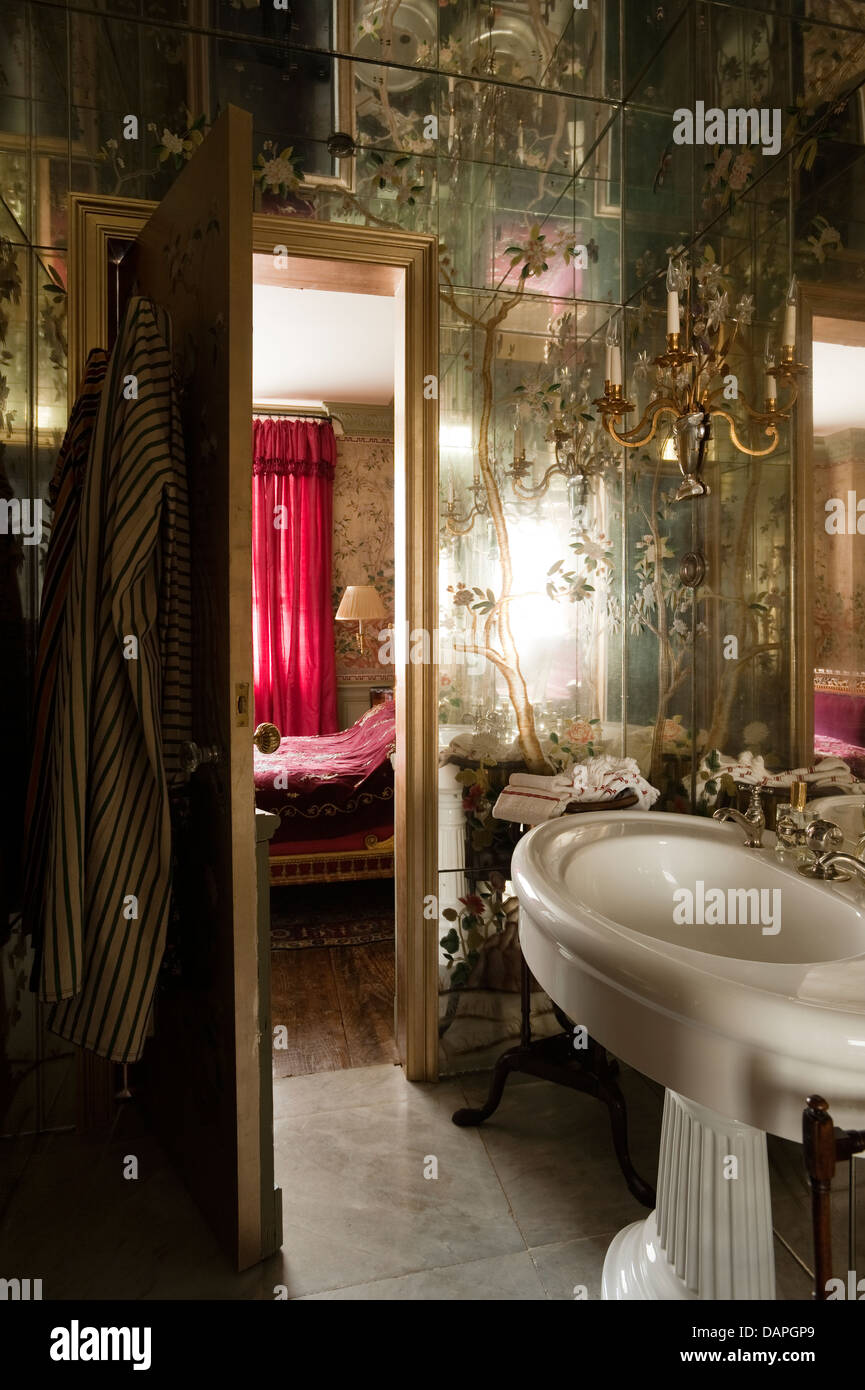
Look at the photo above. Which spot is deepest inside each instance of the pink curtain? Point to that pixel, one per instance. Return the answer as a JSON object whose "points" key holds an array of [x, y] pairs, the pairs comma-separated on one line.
{"points": [[292, 512]]}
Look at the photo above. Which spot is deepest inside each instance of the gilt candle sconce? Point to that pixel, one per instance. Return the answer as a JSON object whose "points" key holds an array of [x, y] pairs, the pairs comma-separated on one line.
{"points": [[577, 460], [692, 378], [461, 525]]}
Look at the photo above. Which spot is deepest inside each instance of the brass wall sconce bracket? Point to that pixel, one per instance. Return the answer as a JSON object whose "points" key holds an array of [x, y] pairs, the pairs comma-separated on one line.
{"points": [[675, 359], [693, 407], [576, 460], [461, 525]]}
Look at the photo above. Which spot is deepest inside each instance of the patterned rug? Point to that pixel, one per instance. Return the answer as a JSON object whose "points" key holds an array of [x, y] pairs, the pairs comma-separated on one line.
{"points": [[331, 914]]}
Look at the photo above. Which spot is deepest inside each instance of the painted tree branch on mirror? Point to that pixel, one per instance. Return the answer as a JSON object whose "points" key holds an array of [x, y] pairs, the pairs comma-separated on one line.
{"points": [[731, 672], [507, 658], [672, 671]]}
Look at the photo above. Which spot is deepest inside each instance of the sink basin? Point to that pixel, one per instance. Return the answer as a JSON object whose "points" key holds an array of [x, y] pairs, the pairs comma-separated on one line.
{"points": [[625, 921], [774, 920], [848, 812], [745, 1019]]}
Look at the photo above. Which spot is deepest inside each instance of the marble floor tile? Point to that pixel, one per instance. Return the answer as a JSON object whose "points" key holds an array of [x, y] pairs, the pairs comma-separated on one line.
{"points": [[572, 1264], [791, 1218], [357, 1207], [523, 1207], [334, 1090], [792, 1284], [553, 1154], [499, 1278]]}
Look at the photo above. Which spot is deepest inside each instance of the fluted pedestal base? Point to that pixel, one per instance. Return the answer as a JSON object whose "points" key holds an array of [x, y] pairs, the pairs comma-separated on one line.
{"points": [[710, 1236]]}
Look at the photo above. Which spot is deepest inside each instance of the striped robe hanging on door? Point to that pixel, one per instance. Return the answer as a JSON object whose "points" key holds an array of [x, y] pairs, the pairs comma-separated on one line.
{"points": [[123, 705], [64, 493]]}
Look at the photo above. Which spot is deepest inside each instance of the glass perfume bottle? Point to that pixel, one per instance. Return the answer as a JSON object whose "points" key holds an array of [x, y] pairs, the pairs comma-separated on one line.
{"points": [[791, 822]]}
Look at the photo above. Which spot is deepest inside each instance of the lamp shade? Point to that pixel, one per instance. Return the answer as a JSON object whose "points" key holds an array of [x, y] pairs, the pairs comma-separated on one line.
{"points": [[360, 603]]}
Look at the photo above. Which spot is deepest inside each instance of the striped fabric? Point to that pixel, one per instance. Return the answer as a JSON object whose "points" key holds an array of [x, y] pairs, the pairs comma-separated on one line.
{"points": [[64, 495], [122, 713]]}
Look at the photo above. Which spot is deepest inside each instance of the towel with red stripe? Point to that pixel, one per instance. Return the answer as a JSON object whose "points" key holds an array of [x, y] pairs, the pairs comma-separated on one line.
{"points": [[529, 799]]}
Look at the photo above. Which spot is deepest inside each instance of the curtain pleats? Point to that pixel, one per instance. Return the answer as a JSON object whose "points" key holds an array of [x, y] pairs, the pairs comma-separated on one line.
{"points": [[292, 519]]}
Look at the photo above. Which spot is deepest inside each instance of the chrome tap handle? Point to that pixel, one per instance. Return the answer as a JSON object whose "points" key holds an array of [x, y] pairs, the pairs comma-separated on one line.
{"points": [[823, 836], [755, 810], [755, 815]]}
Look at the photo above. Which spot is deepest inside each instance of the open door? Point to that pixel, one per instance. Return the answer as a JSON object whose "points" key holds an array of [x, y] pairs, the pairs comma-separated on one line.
{"points": [[202, 1078]]}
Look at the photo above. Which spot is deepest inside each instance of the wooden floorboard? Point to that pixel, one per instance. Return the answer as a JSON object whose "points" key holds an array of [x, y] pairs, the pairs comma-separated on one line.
{"points": [[365, 981], [305, 1000], [336, 1004]]}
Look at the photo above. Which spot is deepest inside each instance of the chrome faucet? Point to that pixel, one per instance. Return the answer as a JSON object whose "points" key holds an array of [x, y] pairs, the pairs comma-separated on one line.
{"points": [[833, 862], [824, 839], [834, 865], [753, 822]]}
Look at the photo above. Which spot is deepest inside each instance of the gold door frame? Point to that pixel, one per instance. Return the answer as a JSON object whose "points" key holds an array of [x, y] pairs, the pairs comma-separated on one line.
{"points": [[815, 301], [94, 221]]}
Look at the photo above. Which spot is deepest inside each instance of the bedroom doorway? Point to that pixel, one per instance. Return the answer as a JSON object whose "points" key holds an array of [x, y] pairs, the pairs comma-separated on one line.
{"points": [[323, 385], [101, 228]]}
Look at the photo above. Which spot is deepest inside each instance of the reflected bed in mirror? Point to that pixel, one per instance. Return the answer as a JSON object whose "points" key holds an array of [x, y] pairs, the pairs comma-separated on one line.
{"points": [[838, 354]]}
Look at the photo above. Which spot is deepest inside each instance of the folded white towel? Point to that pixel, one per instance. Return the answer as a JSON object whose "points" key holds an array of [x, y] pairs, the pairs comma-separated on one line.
{"points": [[603, 778], [529, 799], [751, 769]]}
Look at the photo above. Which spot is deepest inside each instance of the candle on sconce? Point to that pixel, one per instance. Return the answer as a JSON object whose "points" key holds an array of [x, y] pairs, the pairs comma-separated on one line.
{"points": [[577, 141], [673, 322], [789, 337], [614, 355], [616, 365], [519, 444], [771, 388], [450, 484], [451, 112]]}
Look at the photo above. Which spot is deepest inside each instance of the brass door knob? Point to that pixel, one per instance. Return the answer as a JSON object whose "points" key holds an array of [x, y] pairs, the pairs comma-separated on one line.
{"points": [[267, 738]]}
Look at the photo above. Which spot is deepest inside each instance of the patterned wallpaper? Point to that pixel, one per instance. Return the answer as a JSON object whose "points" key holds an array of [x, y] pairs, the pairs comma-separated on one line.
{"points": [[363, 545]]}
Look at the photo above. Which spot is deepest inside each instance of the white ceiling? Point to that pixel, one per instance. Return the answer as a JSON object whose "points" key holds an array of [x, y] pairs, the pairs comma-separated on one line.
{"points": [[839, 401], [322, 345]]}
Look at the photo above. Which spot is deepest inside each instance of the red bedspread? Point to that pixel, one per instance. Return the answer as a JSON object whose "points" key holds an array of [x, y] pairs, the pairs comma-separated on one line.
{"points": [[332, 785]]}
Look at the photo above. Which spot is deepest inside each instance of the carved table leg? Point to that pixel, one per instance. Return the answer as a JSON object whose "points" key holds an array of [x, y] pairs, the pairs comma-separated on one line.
{"points": [[555, 1059]]}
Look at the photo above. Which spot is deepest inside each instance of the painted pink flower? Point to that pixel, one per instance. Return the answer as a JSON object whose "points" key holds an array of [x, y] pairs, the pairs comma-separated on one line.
{"points": [[741, 170], [579, 731], [673, 731]]}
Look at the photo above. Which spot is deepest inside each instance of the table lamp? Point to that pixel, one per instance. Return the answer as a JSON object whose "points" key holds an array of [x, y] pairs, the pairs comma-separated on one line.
{"points": [[360, 604]]}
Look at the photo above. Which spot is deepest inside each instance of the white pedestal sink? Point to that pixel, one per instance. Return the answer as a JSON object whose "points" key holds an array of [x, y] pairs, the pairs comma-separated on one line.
{"points": [[740, 1021]]}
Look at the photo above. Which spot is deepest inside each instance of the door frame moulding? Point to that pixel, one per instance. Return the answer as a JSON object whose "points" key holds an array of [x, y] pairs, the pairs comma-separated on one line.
{"points": [[96, 221]]}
